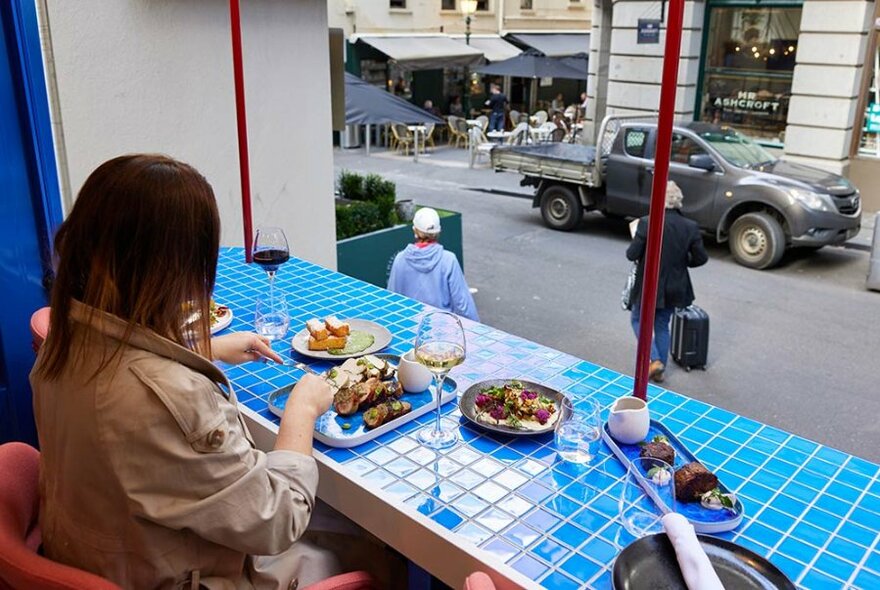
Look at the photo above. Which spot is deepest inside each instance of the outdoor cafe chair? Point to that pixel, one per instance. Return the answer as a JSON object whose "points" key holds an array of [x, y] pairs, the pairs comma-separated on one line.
{"points": [[403, 139], [484, 122], [514, 117], [557, 135], [520, 134], [429, 136], [541, 118], [461, 130]]}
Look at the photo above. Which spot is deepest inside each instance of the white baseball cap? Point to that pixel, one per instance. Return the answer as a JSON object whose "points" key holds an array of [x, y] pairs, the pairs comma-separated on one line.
{"points": [[427, 221]]}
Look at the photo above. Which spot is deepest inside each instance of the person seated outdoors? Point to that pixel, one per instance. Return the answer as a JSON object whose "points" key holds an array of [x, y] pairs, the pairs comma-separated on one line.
{"points": [[558, 103], [429, 106], [426, 272], [455, 106], [149, 476]]}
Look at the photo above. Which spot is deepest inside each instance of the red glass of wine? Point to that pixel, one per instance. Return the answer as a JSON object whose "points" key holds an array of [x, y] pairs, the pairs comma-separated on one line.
{"points": [[271, 251]]}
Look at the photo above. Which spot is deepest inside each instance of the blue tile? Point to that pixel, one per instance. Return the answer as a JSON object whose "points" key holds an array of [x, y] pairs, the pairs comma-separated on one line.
{"points": [[535, 492], [846, 549], [795, 549], [473, 533], [521, 535], [580, 567], [530, 567], [550, 551], [559, 581], [867, 580], [500, 548], [563, 506], [857, 534], [789, 567], [424, 504], [591, 521], [816, 580], [541, 519], [570, 534], [601, 551], [833, 566], [469, 504], [448, 518]]}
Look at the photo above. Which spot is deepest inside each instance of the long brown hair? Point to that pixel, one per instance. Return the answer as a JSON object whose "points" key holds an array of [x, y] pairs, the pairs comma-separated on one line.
{"points": [[140, 243]]}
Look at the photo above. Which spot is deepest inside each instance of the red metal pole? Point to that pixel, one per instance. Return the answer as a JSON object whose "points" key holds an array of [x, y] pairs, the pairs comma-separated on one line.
{"points": [[241, 119], [658, 195]]}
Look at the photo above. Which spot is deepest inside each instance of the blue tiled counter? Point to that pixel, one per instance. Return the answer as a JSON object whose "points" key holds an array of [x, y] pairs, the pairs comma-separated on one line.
{"points": [[511, 504]]}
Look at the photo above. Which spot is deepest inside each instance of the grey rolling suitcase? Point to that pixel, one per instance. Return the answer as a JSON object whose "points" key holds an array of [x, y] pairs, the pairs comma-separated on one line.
{"points": [[690, 337]]}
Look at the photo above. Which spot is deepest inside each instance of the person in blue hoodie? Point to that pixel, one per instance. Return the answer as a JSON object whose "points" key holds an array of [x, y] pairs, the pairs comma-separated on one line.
{"points": [[426, 272]]}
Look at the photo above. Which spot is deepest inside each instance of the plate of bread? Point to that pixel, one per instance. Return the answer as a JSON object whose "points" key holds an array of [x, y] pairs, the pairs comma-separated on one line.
{"points": [[332, 338]]}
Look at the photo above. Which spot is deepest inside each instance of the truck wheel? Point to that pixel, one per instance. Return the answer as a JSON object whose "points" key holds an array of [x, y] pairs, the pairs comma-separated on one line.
{"points": [[757, 240], [561, 208]]}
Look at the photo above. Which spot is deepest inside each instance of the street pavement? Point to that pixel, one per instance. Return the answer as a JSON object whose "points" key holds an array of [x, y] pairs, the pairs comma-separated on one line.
{"points": [[796, 347]]}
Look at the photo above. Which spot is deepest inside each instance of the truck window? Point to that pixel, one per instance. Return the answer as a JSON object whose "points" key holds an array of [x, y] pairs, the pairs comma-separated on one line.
{"points": [[683, 148], [635, 142]]}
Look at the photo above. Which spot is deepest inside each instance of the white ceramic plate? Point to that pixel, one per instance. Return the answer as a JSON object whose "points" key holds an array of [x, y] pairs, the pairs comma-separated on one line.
{"points": [[300, 341], [223, 321]]}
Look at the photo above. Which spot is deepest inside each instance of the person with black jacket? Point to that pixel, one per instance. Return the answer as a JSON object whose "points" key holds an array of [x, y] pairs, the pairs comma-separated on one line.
{"points": [[682, 249]]}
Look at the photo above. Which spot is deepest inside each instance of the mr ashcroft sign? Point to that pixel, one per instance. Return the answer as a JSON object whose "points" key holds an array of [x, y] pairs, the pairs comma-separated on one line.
{"points": [[747, 102]]}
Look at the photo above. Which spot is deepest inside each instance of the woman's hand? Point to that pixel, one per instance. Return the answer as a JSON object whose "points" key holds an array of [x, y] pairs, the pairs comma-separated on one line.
{"points": [[311, 397], [241, 347]]}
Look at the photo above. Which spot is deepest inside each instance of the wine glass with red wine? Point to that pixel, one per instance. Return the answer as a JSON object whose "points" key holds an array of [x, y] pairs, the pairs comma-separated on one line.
{"points": [[271, 250]]}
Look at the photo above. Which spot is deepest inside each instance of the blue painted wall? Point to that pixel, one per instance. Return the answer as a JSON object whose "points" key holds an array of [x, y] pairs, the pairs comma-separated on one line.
{"points": [[30, 209]]}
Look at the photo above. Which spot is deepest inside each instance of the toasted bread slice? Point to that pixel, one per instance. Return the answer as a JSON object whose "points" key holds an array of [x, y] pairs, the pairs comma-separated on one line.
{"points": [[317, 329], [331, 342], [336, 327]]}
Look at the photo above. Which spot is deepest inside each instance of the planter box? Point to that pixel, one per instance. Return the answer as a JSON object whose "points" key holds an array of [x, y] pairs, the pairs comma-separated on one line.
{"points": [[368, 257]]}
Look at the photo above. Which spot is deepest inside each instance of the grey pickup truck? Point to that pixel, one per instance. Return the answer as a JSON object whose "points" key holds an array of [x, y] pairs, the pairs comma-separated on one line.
{"points": [[732, 186]]}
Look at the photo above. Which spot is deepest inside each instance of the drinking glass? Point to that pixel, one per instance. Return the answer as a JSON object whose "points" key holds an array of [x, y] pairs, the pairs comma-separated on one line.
{"points": [[440, 346], [271, 251], [577, 433], [648, 493], [272, 317]]}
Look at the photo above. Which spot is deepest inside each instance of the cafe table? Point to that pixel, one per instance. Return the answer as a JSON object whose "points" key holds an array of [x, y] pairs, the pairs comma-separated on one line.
{"points": [[510, 507]]}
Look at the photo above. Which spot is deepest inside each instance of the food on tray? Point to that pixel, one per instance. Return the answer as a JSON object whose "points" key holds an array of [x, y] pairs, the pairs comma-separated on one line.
{"points": [[658, 448], [363, 382], [385, 412], [336, 337], [718, 500], [659, 475], [692, 481], [515, 406], [317, 329], [336, 327]]}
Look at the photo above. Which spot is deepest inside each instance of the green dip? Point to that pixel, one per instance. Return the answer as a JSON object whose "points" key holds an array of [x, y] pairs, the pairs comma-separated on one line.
{"points": [[357, 342]]}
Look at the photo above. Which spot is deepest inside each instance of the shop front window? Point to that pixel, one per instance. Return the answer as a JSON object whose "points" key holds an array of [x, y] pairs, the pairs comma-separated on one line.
{"points": [[869, 143], [747, 68]]}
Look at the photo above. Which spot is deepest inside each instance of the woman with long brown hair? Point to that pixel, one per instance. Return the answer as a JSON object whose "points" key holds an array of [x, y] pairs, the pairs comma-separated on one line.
{"points": [[149, 476]]}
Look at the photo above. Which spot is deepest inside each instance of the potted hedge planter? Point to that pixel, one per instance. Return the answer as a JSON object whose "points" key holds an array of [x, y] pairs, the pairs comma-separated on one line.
{"points": [[370, 231]]}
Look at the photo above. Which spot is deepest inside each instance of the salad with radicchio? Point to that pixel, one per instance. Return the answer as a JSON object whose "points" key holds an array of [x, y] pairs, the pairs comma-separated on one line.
{"points": [[515, 406]]}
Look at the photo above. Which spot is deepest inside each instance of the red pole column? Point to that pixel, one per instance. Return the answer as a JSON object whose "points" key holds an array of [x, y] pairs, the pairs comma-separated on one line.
{"points": [[241, 119], [658, 195]]}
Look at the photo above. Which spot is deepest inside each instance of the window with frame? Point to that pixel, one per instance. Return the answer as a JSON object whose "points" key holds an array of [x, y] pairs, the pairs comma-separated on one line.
{"points": [[482, 5], [635, 141], [525, 4], [447, 4], [397, 3], [683, 147]]}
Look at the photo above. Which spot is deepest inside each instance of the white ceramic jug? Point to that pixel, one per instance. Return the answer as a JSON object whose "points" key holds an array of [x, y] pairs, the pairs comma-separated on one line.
{"points": [[629, 420], [413, 376]]}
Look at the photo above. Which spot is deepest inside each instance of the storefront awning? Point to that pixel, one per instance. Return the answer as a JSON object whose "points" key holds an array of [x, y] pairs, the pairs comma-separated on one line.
{"points": [[417, 52], [494, 48], [555, 44]]}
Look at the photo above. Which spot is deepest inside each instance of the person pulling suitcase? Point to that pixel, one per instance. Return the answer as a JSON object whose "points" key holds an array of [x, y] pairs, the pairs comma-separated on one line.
{"points": [[682, 249]]}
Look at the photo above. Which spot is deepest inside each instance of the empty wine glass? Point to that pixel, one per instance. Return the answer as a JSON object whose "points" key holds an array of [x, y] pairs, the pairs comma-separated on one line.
{"points": [[440, 346], [271, 316], [577, 432], [647, 494], [271, 251]]}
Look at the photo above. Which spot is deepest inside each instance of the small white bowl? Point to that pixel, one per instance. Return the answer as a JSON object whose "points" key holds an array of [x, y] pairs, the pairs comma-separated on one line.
{"points": [[413, 376]]}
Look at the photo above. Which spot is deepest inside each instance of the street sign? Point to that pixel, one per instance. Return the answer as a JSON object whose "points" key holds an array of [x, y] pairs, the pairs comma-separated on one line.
{"points": [[649, 30], [872, 118]]}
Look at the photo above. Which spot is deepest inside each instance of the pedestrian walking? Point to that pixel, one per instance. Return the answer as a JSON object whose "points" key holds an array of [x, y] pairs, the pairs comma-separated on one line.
{"points": [[426, 272], [497, 101], [682, 249]]}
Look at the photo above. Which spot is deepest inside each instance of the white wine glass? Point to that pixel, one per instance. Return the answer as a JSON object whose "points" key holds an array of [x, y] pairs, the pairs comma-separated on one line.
{"points": [[271, 250], [440, 346]]}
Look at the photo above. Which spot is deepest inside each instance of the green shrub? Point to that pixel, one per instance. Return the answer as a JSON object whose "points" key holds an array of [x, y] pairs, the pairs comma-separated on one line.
{"points": [[360, 217], [384, 194], [351, 186]]}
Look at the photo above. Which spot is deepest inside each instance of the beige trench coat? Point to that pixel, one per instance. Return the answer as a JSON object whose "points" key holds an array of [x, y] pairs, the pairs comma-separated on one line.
{"points": [[149, 476]]}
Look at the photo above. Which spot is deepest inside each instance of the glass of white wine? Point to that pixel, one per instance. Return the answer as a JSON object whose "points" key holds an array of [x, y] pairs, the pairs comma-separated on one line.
{"points": [[440, 346]]}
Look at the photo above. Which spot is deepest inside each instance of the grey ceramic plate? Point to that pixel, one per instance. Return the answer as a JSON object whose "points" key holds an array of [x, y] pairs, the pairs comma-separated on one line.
{"points": [[300, 341], [469, 410], [650, 563]]}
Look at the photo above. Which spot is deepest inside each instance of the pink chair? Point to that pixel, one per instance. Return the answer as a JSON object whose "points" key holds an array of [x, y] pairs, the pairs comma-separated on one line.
{"points": [[479, 581], [39, 327], [20, 565]]}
